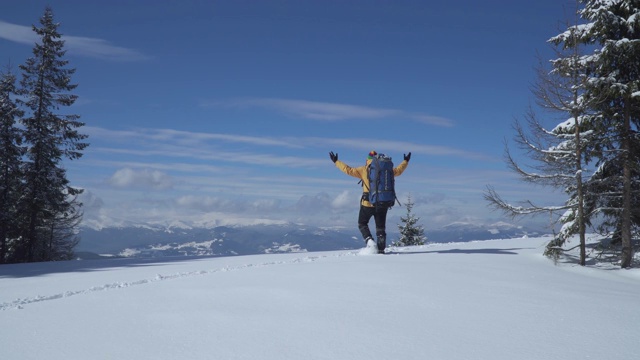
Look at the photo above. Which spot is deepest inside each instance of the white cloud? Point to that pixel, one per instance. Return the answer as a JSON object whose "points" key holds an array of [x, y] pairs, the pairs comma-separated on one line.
{"points": [[141, 178], [101, 49], [309, 109], [90, 202], [312, 204], [188, 137], [184, 137], [208, 203], [323, 111], [203, 146], [315, 110], [164, 166], [235, 207], [344, 199], [305, 209], [263, 206], [17, 33], [401, 147], [83, 46]]}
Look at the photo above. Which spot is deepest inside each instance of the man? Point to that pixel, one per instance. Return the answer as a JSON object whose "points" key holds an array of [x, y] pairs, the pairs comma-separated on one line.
{"points": [[368, 210]]}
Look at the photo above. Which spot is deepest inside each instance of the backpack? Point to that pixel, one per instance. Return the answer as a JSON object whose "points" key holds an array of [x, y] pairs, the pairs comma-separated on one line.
{"points": [[381, 181]]}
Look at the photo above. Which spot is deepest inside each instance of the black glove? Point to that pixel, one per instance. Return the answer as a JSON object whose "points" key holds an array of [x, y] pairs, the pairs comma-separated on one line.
{"points": [[407, 157], [334, 157]]}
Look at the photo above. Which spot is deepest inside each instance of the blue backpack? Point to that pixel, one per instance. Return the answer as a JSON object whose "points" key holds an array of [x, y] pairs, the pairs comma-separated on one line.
{"points": [[382, 191]]}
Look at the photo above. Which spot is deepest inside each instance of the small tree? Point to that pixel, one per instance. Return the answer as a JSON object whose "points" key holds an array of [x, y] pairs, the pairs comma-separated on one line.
{"points": [[410, 232]]}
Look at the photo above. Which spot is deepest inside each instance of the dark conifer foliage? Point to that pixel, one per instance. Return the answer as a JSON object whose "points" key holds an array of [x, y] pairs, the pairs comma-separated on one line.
{"points": [[614, 29], [48, 207], [11, 152]]}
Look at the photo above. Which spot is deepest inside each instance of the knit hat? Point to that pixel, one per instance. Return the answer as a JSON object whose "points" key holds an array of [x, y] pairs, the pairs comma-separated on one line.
{"points": [[372, 154]]}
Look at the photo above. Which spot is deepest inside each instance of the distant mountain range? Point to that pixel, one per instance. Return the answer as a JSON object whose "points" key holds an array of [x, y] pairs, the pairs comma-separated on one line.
{"points": [[162, 240], [463, 232]]}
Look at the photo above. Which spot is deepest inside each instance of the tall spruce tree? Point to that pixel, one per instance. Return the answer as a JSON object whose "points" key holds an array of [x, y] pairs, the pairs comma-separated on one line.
{"points": [[560, 154], [11, 152], [411, 233], [610, 94], [48, 203], [570, 75], [613, 31]]}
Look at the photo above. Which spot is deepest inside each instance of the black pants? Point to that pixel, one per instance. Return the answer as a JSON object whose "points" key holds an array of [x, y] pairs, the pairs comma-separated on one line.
{"points": [[380, 217]]}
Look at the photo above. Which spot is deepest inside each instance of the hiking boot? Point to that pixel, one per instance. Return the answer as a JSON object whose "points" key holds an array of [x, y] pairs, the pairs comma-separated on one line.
{"points": [[371, 244], [381, 243]]}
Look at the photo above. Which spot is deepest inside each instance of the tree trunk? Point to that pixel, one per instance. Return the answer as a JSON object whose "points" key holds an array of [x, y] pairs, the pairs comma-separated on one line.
{"points": [[579, 189], [627, 250]]}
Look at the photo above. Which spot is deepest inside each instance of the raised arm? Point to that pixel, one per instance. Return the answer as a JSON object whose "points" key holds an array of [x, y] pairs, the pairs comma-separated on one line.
{"points": [[398, 170], [351, 171]]}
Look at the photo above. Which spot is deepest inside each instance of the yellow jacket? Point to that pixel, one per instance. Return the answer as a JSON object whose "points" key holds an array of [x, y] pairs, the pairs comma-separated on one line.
{"points": [[360, 172]]}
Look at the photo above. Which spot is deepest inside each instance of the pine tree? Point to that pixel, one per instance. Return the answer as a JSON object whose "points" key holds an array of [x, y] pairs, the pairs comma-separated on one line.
{"points": [[11, 152], [560, 154], [570, 75], [49, 202], [608, 183], [613, 31], [410, 232], [604, 126]]}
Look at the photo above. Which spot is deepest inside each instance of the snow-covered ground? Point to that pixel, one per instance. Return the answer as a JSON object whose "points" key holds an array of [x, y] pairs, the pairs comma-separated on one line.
{"points": [[497, 299]]}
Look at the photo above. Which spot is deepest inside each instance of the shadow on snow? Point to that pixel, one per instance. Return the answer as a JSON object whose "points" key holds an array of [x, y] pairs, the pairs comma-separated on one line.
{"points": [[57, 267], [488, 251]]}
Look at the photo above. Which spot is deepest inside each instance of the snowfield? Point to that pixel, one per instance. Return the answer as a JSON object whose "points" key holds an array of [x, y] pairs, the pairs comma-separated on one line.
{"points": [[496, 299]]}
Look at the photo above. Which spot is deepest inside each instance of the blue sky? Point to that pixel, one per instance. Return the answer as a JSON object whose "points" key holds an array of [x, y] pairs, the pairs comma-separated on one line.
{"points": [[225, 111]]}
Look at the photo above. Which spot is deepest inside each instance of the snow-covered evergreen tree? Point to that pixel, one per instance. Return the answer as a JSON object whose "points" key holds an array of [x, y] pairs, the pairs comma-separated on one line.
{"points": [[49, 202], [560, 154], [602, 130], [570, 73], [613, 31], [608, 184], [411, 233], [11, 152]]}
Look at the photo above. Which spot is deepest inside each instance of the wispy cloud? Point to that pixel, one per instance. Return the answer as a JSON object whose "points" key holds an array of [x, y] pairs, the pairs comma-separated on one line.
{"points": [[190, 137], [323, 111], [82, 46], [102, 49], [186, 137], [161, 166], [400, 147], [173, 143], [193, 153], [201, 146], [17, 33]]}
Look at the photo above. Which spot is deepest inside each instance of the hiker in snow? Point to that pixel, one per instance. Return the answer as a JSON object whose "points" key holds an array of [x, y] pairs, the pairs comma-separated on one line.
{"points": [[367, 209]]}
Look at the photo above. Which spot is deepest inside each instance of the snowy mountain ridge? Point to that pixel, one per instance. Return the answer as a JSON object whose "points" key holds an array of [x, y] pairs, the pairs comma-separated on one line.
{"points": [[203, 222], [180, 238]]}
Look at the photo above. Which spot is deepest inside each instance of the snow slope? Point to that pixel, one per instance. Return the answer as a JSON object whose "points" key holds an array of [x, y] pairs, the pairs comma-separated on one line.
{"points": [[497, 299]]}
